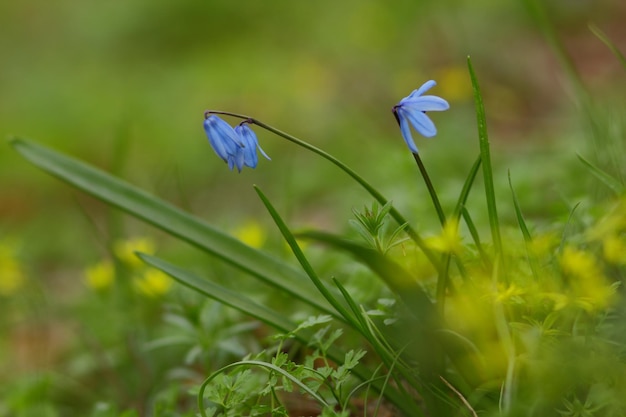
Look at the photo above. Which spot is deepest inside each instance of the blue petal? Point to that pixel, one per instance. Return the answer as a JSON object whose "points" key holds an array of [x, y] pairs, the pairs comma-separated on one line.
{"points": [[263, 152], [251, 143], [406, 131], [222, 137], [426, 103], [421, 123], [417, 93], [425, 87]]}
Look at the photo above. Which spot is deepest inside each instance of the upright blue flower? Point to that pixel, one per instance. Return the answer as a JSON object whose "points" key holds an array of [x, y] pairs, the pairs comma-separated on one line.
{"points": [[250, 144], [412, 109], [224, 141]]}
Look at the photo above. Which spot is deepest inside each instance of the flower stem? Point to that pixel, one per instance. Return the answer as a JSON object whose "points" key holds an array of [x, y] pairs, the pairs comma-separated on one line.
{"points": [[431, 189], [371, 190]]}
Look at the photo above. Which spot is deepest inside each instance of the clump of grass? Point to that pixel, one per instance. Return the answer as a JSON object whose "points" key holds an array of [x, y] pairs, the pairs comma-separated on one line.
{"points": [[522, 321]]}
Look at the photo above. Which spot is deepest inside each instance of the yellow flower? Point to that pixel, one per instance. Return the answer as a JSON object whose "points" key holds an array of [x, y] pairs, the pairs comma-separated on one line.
{"points": [[448, 241], [543, 244], [125, 250], [11, 273], [153, 283], [589, 287], [100, 276], [578, 263], [251, 233], [614, 249]]}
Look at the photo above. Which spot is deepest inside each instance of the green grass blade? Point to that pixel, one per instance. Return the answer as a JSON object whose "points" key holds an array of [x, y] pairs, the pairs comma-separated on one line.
{"points": [[308, 269], [467, 187], [537, 11], [176, 222], [615, 185], [525, 232], [475, 237], [223, 295], [486, 161], [605, 39], [397, 278], [271, 317]]}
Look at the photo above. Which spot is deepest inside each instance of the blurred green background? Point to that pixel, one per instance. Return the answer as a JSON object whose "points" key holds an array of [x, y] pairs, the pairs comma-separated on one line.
{"points": [[123, 85]]}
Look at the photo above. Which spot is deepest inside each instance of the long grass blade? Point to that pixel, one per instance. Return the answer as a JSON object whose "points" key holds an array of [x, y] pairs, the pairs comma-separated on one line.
{"points": [[605, 39], [174, 221], [486, 161], [607, 179]]}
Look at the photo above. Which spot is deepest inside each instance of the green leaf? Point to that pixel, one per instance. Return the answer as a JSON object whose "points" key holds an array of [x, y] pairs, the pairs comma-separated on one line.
{"points": [[297, 251], [616, 186], [268, 316], [485, 158], [171, 219], [605, 39], [224, 295], [403, 284], [525, 232]]}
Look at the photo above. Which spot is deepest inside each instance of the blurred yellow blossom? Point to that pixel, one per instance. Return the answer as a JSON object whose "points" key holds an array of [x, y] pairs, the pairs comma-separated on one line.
{"points": [[251, 233], [614, 249], [579, 263], [100, 276], [589, 287], [543, 244], [125, 250], [153, 283], [448, 241], [11, 273], [508, 293]]}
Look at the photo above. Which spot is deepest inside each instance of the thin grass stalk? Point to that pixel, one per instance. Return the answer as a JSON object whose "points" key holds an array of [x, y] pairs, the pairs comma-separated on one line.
{"points": [[486, 162]]}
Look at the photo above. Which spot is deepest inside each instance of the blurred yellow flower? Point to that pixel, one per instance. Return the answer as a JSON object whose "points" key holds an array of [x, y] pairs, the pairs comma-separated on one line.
{"points": [[614, 249], [11, 273], [100, 276], [251, 233], [153, 283], [543, 244], [578, 263], [125, 250], [589, 287], [448, 241]]}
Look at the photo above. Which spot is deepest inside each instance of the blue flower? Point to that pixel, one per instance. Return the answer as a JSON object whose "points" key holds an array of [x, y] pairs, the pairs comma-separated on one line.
{"points": [[412, 109], [237, 146], [250, 145], [224, 141]]}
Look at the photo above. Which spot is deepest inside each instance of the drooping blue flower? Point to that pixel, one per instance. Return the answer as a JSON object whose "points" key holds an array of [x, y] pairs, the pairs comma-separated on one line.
{"points": [[237, 147], [250, 145], [412, 109], [224, 141]]}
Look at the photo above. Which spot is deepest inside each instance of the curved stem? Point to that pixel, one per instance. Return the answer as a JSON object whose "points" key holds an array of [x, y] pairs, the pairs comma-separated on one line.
{"points": [[371, 190]]}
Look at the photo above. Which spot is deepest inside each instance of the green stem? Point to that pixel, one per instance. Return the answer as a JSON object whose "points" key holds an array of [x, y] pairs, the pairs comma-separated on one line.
{"points": [[431, 189], [371, 190]]}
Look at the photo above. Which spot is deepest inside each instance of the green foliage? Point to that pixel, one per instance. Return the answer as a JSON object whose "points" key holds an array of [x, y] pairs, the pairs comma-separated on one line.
{"points": [[500, 312]]}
